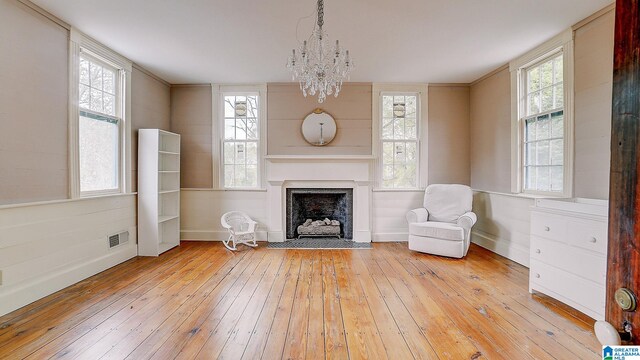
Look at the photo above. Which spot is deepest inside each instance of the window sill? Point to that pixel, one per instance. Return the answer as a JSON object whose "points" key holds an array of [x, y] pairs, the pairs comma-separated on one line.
{"points": [[522, 195]]}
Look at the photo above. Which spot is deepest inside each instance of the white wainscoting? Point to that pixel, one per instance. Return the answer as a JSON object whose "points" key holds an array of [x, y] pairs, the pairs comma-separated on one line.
{"points": [[389, 213], [45, 247], [201, 209], [503, 224]]}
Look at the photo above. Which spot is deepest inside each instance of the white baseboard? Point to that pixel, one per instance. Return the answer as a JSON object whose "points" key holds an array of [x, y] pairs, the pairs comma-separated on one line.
{"points": [[42, 286], [503, 247], [390, 237]]}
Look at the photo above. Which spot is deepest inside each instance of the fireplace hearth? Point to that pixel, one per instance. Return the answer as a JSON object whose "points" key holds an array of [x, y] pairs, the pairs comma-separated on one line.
{"points": [[314, 212]]}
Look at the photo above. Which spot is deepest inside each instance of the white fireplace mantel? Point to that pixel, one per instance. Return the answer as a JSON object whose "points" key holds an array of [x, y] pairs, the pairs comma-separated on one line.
{"points": [[321, 172]]}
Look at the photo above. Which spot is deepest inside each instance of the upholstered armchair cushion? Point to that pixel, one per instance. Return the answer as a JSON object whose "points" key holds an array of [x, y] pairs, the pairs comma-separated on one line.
{"points": [[448, 202], [417, 215], [440, 230]]}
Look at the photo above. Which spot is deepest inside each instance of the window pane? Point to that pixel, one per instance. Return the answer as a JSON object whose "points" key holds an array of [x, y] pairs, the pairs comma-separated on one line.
{"points": [[557, 178], [109, 104], [410, 129], [557, 124], [252, 106], [229, 129], [84, 72], [547, 99], [542, 153], [558, 93], [241, 125], [229, 152], [543, 181], [252, 128], [96, 100], [85, 97], [387, 128], [387, 106], [533, 80], [558, 69], [400, 153], [109, 81], [387, 153], [98, 152], [398, 128], [530, 178], [239, 153], [530, 129], [252, 176], [534, 103], [229, 110], [546, 74], [229, 175], [530, 156], [411, 152], [557, 152], [411, 107], [252, 153], [95, 72], [240, 175], [544, 127]]}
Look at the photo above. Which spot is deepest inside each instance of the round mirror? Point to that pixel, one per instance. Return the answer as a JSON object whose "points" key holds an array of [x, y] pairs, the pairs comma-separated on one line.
{"points": [[319, 128]]}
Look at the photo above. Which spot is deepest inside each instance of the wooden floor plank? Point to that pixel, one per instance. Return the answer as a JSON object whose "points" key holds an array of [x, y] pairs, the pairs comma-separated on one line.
{"points": [[201, 300]]}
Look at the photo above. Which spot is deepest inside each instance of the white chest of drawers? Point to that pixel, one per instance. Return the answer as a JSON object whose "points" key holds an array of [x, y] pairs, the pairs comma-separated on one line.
{"points": [[569, 252]]}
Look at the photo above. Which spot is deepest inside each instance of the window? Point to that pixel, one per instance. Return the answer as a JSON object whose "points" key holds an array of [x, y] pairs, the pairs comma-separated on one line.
{"points": [[241, 143], [99, 126], [543, 140], [542, 113], [399, 140], [99, 130]]}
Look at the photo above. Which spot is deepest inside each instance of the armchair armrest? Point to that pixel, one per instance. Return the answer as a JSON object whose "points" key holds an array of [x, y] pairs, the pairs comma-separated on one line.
{"points": [[417, 215], [467, 220]]}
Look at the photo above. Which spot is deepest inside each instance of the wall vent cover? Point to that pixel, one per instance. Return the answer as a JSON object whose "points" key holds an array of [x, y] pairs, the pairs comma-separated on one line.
{"points": [[117, 239]]}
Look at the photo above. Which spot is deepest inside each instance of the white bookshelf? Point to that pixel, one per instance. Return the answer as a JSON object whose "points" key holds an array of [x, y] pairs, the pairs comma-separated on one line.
{"points": [[158, 191]]}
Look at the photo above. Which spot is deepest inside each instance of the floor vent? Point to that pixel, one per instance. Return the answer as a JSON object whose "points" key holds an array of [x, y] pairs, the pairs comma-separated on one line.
{"points": [[118, 239]]}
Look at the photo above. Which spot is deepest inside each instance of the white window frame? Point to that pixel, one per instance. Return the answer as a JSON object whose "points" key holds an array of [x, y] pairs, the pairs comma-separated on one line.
{"points": [[421, 91], [78, 43], [218, 93], [561, 43]]}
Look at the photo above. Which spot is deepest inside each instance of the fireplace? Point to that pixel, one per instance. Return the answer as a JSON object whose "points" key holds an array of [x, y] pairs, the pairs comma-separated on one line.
{"points": [[317, 204]]}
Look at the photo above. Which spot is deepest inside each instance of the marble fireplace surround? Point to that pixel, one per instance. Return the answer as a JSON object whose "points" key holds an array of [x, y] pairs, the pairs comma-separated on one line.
{"points": [[307, 172]]}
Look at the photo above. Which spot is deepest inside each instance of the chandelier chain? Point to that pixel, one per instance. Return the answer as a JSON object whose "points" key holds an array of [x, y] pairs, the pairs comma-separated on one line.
{"points": [[320, 13]]}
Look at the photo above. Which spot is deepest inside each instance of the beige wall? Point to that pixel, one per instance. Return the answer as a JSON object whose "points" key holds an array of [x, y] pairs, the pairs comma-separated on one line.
{"points": [[490, 146], [191, 118], [287, 107], [449, 134], [33, 106], [593, 88], [150, 109]]}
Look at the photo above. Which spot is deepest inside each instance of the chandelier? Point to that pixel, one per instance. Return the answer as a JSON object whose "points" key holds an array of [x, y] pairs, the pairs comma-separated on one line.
{"points": [[319, 67]]}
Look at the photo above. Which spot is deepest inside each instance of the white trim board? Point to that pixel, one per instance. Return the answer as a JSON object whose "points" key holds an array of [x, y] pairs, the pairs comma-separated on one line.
{"points": [[502, 247]]}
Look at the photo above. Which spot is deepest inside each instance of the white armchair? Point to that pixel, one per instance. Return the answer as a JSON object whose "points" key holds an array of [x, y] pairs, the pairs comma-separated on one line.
{"points": [[443, 225]]}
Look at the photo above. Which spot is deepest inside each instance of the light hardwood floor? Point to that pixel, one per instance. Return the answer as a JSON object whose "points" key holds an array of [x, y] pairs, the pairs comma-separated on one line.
{"points": [[202, 301]]}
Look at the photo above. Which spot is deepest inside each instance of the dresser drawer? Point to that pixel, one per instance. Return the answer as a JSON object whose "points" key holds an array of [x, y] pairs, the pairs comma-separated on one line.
{"points": [[549, 226], [577, 290], [582, 263], [590, 235]]}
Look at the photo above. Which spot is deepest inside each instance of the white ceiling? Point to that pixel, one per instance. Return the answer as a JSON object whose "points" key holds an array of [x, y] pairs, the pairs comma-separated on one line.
{"points": [[243, 41]]}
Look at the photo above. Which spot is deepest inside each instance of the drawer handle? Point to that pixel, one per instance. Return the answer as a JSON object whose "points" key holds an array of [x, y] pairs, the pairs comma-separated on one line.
{"points": [[593, 239], [537, 251], [546, 228], [538, 276]]}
